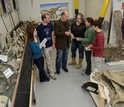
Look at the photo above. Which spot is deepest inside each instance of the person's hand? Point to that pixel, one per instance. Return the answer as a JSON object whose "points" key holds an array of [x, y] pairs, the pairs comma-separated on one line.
{"points": [[67, 33], [54, 46], [89, 46], [44, 45], [77, 39]]}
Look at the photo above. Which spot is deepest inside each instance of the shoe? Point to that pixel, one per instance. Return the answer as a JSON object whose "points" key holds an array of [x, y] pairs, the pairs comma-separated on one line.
{"points": [[46, 80], [79, 63], [73, 62], [53, 77], [65, 69], [58, 71], [84, 73]]}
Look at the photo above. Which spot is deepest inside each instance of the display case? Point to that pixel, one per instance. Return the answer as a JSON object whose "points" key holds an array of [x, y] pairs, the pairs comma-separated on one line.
{"points": [[16, 73]]}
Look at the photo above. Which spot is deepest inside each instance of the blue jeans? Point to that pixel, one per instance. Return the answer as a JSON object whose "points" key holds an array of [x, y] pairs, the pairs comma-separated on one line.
{"points": [[77, 45], [61, 58]]}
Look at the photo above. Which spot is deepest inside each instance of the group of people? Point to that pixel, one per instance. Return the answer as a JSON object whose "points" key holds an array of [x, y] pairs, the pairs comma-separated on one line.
{"points": [[85, 35]]}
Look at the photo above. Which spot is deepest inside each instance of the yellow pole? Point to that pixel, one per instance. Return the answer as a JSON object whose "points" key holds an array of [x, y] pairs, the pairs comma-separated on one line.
{"points": [[76, 6], [104, 9]]}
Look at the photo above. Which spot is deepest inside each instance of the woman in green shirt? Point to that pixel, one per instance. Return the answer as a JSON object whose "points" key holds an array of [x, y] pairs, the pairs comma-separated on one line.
{"points": [[88, 40]]}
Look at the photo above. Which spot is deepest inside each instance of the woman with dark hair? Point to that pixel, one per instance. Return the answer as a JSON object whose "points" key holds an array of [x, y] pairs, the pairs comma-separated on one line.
{"points": [[77, 29], [37, 52], [88, 40]]}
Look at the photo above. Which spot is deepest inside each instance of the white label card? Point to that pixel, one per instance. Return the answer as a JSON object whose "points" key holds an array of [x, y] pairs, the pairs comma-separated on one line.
{"points": [[8, 73], [91, 88], [4, 58], [43, 42]]}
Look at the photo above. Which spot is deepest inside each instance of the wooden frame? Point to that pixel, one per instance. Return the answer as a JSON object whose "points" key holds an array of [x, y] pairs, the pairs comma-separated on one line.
{"points": [[32, 86], [18, 77]]}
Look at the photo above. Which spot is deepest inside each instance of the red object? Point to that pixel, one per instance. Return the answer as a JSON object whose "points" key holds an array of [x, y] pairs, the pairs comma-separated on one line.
{"points": [[122, 6], [98, 45]]}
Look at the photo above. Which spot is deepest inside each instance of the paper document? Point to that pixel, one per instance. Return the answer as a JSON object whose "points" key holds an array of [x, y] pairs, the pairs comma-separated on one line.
{"points": [[43, 42], [4, 58], [8, 73]]}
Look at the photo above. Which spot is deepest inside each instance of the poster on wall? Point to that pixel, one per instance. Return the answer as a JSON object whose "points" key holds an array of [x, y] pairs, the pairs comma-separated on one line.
{"points": [[54, 9], [8, 6]]}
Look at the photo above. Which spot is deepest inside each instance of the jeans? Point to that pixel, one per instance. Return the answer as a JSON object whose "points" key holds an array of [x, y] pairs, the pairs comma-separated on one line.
{"points": [[88, 60], [40, 65], [61, 58], [74, 46]]}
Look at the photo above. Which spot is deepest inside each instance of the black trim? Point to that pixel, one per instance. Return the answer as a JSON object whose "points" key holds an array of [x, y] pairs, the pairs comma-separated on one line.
{"points": [[110, 22], [76, 11], [23, 91], [101, 19]]}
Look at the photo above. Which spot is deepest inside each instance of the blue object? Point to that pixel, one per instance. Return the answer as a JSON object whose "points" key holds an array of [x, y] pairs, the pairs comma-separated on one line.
{"points": [[35, 49], [45, 31]]}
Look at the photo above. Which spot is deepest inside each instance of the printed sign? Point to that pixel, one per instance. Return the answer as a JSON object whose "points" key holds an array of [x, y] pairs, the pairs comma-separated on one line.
{"points": [[8, 73]]}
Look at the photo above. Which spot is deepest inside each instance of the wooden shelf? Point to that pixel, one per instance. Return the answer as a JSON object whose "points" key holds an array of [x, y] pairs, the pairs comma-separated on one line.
{"points": [[18, 77]]}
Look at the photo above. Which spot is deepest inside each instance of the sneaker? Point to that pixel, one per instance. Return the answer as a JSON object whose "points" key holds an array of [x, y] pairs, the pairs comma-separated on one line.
{"points": [[53, 77], [65, 69]]}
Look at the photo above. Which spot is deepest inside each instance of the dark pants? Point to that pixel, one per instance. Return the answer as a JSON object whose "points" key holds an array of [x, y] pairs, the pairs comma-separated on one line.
{"points": [[61, 58], [40, 65], [88, 60], [77, 45]]}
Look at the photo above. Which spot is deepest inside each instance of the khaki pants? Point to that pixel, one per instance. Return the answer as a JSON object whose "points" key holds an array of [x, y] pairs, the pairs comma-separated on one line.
{"points": [[48, 55], [97, 64]]}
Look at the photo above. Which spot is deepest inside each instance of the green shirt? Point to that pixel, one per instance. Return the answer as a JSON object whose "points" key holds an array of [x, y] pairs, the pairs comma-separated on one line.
{"points": [[89, 36]]}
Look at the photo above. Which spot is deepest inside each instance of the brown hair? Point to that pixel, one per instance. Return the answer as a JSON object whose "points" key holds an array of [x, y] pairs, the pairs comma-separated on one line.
{"points": [[43, 16], [97, 23], [90, 20], [30, 31], [81, 15]]}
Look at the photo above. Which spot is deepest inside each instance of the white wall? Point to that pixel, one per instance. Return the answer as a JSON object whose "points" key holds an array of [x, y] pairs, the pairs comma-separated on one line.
{"points": [[7, 19], [93, 9], [82, 6], [28, 12], [90, 8], [87, 7]]}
